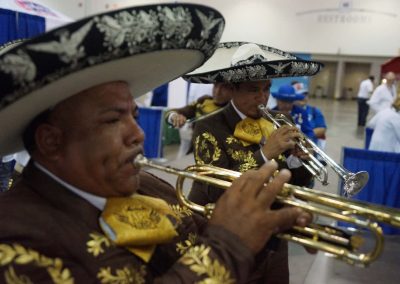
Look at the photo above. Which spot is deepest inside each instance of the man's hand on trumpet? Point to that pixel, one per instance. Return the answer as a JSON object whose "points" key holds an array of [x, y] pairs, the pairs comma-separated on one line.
{"points": [[282, 139], [245, 208], [177, 120], [299, 153]]}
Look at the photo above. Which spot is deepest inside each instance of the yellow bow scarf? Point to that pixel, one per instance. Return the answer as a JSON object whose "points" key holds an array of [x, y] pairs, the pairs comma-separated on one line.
{"points": [[138, 223], [253, 131], [207, 106]]}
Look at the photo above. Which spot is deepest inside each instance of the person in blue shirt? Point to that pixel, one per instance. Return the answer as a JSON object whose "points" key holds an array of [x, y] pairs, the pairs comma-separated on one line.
{"points": [[314, 115], [285, 97]]}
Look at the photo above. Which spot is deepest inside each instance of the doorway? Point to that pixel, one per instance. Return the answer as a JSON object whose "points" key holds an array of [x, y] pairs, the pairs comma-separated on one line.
{"points": [[322, 85]]}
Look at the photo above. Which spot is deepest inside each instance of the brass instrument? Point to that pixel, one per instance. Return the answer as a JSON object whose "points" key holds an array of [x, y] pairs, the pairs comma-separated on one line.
{"points": [[353, 182], [10, 183], [324, 238], [201, 117]]}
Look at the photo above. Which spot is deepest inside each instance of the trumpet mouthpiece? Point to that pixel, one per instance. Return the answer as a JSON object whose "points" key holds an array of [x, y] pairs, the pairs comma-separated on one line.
{"points": [[140, 161]]}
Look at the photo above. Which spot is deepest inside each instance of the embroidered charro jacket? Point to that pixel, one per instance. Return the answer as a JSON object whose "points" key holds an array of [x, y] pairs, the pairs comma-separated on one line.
{"points": [[214, 143], [51, 235]]}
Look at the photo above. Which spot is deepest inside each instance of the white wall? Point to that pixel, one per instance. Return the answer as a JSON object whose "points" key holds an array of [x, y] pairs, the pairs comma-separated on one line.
{"points": [[74, 9], [315, 26], [331, 30], [341, 27]]}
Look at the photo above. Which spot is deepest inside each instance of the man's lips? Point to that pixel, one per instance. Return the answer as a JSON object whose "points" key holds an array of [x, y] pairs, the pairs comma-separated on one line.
{"points": [[129, 160]]}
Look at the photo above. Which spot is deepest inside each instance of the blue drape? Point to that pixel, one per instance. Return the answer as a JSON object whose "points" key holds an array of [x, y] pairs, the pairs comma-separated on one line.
{"points": [[150, 119], [160, 96], [15, 25], [383, 186], [368, 135]]}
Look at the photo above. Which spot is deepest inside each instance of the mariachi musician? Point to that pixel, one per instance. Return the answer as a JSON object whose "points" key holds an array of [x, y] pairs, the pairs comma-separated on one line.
{"points": [[238, 138], [185, 117]]}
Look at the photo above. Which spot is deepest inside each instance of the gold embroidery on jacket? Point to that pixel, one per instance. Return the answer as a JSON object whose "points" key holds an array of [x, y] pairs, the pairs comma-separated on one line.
{"points": [[142, 217], [95, 245], [125, 275], [199, 262], [182, 247], [180, 211], [206, 149], [246, 159], [232, 140], [12, 278], [20, 255]]}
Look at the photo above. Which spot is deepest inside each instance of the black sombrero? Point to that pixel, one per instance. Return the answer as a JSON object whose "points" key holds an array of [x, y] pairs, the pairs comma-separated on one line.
{"points": [[145, 46], [244, 61]]}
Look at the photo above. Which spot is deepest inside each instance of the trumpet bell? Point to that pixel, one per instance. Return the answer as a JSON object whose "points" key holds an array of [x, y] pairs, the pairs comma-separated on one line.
{"points": [[354, 182]]}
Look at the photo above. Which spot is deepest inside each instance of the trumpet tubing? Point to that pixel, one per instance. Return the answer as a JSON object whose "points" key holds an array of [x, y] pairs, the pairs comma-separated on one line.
{"points": [[328, 239], [192, 120]]}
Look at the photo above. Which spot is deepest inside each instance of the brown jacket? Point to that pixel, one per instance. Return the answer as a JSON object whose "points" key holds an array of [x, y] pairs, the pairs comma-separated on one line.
{"points": [[215, 144], [50, 235]]}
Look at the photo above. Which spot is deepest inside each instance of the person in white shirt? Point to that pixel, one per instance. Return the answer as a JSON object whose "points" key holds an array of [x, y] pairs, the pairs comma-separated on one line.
{"points": [[196, 91], [364, 92], [384, 95], [386, 125]]}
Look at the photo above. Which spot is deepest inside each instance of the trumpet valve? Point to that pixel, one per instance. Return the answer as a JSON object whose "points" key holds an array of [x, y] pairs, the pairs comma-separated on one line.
{"points": [[208, 210]]}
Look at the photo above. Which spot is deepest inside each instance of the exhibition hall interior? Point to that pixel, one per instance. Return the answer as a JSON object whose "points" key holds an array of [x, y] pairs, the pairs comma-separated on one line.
{"points": [[345, 61]]}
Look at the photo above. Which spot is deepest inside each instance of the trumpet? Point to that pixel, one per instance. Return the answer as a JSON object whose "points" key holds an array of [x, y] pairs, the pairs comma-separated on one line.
{"points": [[198, 118], [353, 182], [324, 238]]}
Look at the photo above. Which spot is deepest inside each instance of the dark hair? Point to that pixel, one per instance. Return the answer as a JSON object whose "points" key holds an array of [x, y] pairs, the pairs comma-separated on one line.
{"points": [[372, 78], [28, 136]]}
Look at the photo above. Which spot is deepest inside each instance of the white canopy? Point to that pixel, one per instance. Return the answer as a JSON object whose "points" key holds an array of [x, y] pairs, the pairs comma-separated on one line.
{"points": [[53, 17]]}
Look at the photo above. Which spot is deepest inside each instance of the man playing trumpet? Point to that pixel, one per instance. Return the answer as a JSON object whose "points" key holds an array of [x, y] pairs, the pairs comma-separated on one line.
{"points": [[82, 212], [237, 138], [184, 118]]}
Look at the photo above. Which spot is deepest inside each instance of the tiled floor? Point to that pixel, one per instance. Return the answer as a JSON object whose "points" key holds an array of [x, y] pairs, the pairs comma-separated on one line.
{"points": [[341, 117]]}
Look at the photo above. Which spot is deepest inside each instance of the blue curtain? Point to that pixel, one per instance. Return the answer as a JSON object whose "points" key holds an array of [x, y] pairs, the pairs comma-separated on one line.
{"points": [[151, 121], [15, 25], [368, 135], [383, 186], [160, 96]]}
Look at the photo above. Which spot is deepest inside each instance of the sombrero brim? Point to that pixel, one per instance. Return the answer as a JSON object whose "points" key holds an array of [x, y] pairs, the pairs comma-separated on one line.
{"points": [[292, 98], [145, 46], [278, 64]]}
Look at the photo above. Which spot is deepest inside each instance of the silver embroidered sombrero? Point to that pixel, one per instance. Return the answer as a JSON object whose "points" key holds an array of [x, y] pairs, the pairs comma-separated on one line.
{"points": [[244, 61], [145, 46]]}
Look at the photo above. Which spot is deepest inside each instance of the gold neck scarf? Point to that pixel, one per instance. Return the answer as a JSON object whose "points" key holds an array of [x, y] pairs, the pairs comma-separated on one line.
{"points": [[207, 106], [253, 131], [138, 223]]}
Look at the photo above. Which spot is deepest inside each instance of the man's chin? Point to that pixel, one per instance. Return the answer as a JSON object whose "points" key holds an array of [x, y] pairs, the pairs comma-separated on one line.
{"points": [[128, 187], [255, 116], [126, 192]]}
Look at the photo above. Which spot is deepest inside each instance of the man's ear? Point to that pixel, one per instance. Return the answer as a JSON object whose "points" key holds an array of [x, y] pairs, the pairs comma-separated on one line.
{"points": [[48, 140]]}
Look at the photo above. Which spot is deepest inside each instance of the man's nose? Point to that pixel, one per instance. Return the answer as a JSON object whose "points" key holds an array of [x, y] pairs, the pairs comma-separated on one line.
{"points": [[135, 132]]}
